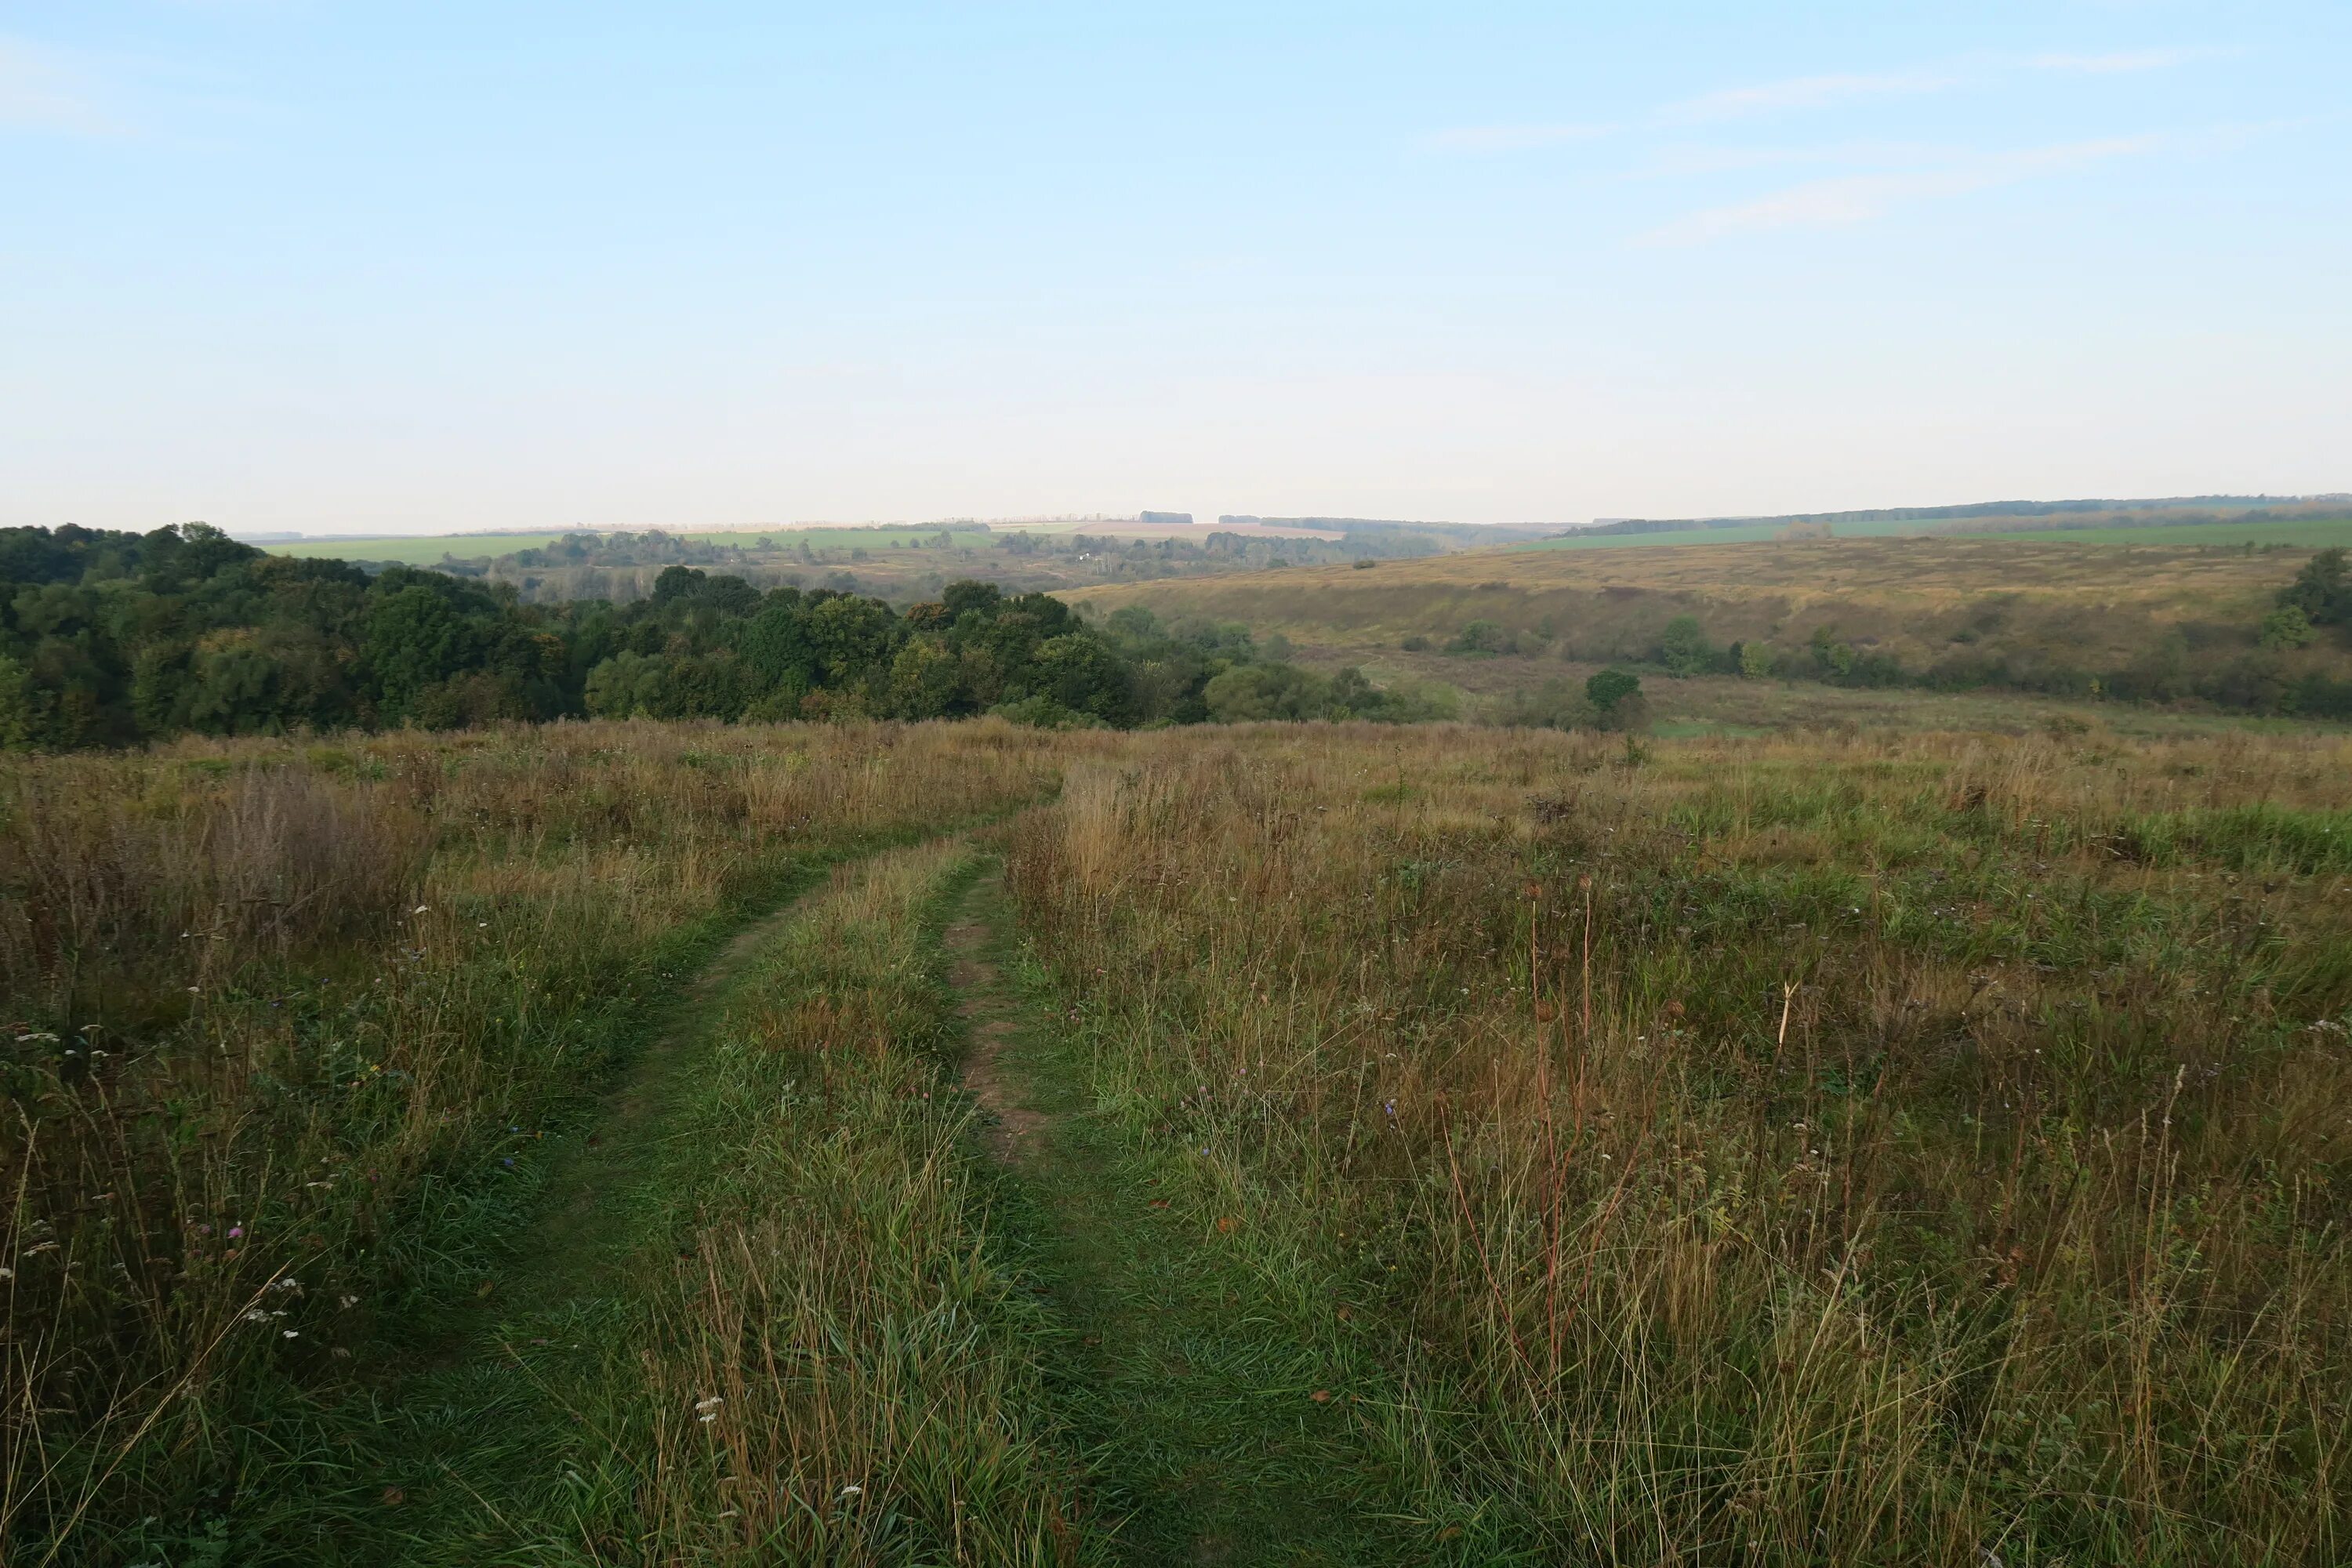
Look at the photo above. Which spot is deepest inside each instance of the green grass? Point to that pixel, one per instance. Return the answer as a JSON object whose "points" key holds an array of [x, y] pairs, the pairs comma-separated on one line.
{"points": [[1226, 1416], [1844, 1148], [415, 550], [1950, 1147]]}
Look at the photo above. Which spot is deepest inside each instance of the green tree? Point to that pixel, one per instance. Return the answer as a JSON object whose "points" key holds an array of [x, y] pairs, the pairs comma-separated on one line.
{"points": [[2322, 590], [416, 638], [624, 685], [1684, 648], [16, 715], [1263, 691], [2289, 626], [1611, 687], [925, 679]]}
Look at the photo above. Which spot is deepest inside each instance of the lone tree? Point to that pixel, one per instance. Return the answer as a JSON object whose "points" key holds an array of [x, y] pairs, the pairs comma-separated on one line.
{"points": [[1617, 700]]}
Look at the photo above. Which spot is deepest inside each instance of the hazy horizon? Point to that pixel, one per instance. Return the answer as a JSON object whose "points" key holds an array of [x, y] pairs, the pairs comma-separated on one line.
{"points": [[288, 265]]}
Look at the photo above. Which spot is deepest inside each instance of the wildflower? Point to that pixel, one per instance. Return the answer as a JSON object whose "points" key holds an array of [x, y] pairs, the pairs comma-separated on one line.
{"points": [[852, 1491], [292, 1334], [235, 1231], [421, 910]]}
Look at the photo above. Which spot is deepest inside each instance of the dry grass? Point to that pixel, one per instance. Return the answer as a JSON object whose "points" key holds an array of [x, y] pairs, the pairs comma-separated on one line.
{"points": [[1896, 1149], [2095, 607], [1851, 1151], [278, 1014]]}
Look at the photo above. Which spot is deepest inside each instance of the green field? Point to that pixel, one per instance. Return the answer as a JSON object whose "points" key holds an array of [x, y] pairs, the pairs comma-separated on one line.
{"points": [[2298, 534]]}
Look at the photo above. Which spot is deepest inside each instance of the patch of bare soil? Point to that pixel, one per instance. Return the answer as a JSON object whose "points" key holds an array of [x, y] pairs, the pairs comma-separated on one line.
{"points": [[981, 998]]}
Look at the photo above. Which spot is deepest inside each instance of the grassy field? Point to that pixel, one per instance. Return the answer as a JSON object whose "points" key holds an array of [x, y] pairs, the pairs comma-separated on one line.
{"points": [[2051, 614], [2293, 534], [630, 1143]]}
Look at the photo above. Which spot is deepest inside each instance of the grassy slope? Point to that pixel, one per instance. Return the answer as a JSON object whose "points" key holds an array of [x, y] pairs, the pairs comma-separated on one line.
{"points": [[1920, 600]]}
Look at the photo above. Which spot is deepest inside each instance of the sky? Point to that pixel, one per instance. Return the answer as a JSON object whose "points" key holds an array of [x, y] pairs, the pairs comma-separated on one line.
{"points": [[427, 266]]}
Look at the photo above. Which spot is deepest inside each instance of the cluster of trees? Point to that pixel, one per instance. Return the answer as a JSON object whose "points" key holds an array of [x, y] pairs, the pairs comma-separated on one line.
{"points": [[717, 647], [108, 638], [111, 638]]}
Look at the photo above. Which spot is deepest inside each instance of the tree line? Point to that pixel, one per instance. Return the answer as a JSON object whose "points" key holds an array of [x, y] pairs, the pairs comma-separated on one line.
{"points": [[113, 638]]}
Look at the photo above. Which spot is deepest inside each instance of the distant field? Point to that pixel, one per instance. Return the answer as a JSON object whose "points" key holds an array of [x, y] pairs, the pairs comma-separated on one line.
{"points": [[1759, 588], [2057, 613], [426, 550], [1759, 533], [2305, 534], [2312, 533], [414, 551]]}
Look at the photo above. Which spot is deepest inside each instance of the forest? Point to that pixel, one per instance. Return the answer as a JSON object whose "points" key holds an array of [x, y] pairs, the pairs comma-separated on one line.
{"points": [[113, 638]]}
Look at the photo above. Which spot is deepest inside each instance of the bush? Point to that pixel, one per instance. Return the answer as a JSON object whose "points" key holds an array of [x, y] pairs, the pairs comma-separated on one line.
{"points": [[2288, 627], [1555, 705], [1480, 639], [1683, 648]]}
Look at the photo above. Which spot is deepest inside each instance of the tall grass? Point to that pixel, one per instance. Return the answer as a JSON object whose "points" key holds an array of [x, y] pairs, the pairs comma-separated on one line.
{"points": [[841, 1371], [1797, 1152], [1811, 1150], [285, 1025]]}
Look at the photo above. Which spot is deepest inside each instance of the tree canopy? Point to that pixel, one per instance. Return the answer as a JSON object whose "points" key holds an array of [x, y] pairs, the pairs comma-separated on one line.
{"points": [[110, 639]]}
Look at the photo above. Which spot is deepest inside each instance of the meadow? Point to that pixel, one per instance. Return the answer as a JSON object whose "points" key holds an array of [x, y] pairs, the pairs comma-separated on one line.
{"points": [[637, 1143], [2050, 614]]}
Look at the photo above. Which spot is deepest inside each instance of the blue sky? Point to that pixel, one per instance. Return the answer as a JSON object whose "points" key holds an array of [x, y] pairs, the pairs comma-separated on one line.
{"points": [[423, 266]]}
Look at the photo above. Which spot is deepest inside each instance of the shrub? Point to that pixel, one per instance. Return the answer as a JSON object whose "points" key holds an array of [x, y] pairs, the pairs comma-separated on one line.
{"points": [[1480, 639], [1683, 649], [1555, 705], [2288, 627]]}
